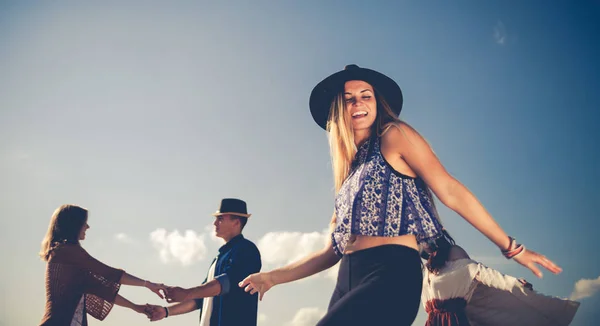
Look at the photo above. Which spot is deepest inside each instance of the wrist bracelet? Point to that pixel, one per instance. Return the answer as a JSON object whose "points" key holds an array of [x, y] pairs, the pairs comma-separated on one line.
{"points": [[511, 242], [520, 252], [513, 253], [166, 312]]}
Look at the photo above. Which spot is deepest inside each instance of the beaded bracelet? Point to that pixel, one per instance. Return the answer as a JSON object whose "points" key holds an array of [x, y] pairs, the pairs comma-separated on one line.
{"points": [[511, 243]]}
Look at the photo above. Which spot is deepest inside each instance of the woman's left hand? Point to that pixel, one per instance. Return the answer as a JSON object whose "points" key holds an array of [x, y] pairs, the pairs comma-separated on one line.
{"points": [[529, 259]]}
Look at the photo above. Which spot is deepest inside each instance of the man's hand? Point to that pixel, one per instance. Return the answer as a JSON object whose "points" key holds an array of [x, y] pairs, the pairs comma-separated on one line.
{"points": [[155, 313], [176, 294]]}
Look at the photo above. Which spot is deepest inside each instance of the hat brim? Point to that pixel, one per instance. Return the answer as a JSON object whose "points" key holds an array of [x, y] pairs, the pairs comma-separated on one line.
{"points": [[231, 213], [323, 94]]}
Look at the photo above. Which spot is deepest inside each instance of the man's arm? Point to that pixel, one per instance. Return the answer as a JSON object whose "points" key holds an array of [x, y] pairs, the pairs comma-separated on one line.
{"points": [[159, 312], [245, 261], [178, 294]]}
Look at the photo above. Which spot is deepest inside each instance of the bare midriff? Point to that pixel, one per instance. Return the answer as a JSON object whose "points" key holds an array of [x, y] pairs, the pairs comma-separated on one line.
{"points": [[360, 242]]}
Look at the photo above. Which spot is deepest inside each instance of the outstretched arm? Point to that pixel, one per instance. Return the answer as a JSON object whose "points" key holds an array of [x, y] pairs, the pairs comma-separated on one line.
{"points": [[415, 151], [128, 279], [120, 301], [309, 265], [179, 294], [160, 312]]}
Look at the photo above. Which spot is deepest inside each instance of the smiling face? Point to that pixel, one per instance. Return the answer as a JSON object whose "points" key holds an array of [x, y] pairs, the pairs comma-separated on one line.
{"points": [[361, 106]]}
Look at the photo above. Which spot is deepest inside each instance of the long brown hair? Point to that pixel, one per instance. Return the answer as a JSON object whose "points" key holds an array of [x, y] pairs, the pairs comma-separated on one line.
{"points": [[341, 135], [438, 252], [65, 225]]}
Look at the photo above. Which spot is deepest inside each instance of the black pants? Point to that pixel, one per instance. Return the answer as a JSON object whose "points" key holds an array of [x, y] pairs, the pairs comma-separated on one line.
{"points": [[377, 286]]}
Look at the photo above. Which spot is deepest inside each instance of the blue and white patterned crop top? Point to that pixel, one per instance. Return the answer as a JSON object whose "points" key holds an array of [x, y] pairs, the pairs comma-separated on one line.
{"points": [[376, 200]]}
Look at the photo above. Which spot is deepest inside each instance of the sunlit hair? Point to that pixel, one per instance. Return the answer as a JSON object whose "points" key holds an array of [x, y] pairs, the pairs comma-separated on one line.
{"points": [[65, 225], [341, 134]]}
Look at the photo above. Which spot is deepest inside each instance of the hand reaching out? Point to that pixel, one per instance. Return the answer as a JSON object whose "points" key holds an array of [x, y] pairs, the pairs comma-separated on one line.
{"points": [[529, 259], [258, 282]]}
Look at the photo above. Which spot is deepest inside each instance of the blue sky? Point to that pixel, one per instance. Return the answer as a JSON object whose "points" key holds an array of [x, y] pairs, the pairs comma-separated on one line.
{"points": [[148, 113]]}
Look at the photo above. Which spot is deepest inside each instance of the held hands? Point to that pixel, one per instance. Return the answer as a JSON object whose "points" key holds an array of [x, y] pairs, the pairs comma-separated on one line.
{"points": [[140, 308], [258, 282], [156, 288], [155, 312], [176, 294], [170, 293]]}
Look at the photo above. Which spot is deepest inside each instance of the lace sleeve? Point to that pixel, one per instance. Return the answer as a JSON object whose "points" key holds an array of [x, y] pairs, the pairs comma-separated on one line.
{"points": [[101, 285]]}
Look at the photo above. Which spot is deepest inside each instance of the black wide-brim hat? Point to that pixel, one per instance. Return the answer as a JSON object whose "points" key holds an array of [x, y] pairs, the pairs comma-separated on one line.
{"points": [[323, 94], [232, 206]]}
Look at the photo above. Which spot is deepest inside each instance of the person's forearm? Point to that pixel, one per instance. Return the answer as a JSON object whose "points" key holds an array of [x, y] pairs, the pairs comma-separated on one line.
{"points": [[128, 279], [183, 308], [206, 290], [464, 203], [120, 301], [310, 265]]}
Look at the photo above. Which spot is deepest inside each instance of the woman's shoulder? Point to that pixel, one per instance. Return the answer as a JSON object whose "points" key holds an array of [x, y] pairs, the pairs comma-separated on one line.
{"points": [[398, 133], [67, 252]]}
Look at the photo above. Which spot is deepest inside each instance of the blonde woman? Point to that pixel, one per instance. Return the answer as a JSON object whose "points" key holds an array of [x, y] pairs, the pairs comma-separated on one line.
{"points": [[383, 172], [76, 283]]}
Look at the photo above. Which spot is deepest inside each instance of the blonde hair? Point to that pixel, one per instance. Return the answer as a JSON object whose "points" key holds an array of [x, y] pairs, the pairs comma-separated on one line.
{"points": [[65, 225], [341, 135]]}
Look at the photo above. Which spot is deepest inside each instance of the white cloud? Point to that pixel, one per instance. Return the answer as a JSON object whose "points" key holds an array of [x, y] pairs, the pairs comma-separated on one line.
{"points": [[262, 318], [186, 249], [279, 248], [307, 317], [500, 34], [124, 238], [585, 288]]}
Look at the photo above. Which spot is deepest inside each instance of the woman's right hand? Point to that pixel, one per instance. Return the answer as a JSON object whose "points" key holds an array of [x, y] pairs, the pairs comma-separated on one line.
{"points": [[530, 258], [156, 288], [258, 282]]}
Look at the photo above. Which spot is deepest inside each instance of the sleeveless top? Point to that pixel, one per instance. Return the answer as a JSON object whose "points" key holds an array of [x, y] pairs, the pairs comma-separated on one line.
{"points": [[376, 200]]}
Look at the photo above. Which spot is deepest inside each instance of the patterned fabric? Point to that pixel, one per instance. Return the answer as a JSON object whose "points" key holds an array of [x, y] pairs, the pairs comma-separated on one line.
{"points": [[376, 200], [77, 285]]}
